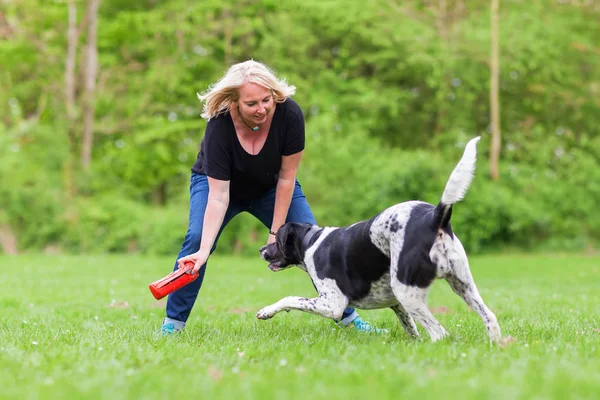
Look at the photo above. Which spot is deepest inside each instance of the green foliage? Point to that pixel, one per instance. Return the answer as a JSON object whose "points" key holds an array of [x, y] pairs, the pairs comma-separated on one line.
{"points": [[31, 197], [391, 93]]}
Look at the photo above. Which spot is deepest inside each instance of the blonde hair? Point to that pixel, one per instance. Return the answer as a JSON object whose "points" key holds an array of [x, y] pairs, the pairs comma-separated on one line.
{"points": [[219, 97]]}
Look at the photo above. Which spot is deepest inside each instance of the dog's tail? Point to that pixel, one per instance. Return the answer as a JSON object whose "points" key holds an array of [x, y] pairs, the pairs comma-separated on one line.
{"points": [[457, 184]]}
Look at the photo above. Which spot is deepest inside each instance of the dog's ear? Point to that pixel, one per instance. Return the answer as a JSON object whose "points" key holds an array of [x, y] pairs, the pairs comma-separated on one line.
{"points": [[288, 243], [284, 235]]}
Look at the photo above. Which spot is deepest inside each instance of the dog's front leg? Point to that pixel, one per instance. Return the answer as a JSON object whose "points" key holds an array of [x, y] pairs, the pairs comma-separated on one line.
{"points": [[322, 305]]}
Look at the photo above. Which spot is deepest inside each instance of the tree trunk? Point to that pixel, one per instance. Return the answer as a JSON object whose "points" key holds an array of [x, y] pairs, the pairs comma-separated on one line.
{"points": [[8, 241], [72, 37], [228, 33], [159, 194], [444, 89], [90, 75], [494, 96]]}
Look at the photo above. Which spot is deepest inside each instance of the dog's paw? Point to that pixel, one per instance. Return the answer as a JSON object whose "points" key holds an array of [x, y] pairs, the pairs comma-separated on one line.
{"points": [[496, 336], [438, 335], [266, 313]]}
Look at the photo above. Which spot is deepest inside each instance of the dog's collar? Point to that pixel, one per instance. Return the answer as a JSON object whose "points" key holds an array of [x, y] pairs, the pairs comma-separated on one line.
{"points": [[309, 235]]}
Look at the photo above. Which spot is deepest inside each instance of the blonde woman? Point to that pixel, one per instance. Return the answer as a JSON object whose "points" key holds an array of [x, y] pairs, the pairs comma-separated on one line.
{"points": [[248, 160]]}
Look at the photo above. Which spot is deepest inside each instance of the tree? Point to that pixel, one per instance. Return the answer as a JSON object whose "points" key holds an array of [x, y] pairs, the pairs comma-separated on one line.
{"points": [[494, 96], [90, 74], [70, 64]]}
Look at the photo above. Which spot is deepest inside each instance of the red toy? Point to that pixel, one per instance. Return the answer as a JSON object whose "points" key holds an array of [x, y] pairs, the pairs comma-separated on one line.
{"points": [[175, 280]]}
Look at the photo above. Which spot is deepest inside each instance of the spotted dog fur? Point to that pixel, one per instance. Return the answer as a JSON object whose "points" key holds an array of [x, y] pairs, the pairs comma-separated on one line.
{"points": [[389, 261]]}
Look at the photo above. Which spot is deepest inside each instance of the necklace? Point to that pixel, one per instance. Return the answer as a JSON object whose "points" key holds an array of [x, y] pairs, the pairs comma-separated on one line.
{"points": [[248, 125]]}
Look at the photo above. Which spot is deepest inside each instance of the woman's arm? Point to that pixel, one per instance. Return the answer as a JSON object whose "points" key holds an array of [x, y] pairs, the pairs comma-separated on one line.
{"points": [[284, 191], [218, 201]]}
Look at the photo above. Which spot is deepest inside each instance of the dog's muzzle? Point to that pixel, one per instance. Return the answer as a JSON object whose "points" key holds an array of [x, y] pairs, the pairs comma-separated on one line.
{"points": [[263, 252], [274, 264]]}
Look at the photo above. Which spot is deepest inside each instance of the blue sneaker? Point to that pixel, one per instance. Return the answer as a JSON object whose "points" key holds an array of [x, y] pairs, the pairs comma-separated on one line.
{"points": [[364, 326], [168, 328], [171, 326]]}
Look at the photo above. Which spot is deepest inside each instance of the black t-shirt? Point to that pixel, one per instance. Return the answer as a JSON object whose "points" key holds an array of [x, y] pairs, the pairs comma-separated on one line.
{"points": [[222, 156]]}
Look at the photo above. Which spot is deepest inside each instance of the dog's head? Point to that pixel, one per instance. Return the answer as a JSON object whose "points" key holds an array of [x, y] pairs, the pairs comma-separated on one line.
{"points": [[287, 249]]}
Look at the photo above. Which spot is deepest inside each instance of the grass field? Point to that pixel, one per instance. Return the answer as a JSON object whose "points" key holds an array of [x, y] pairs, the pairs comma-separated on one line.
{"points": [[86, 328]]}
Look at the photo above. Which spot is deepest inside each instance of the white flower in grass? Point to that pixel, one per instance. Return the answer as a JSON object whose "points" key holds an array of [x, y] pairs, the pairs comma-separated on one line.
{"points": [[96, 317], [283, 362], [34, 343], [463, 355], [235, 369]]}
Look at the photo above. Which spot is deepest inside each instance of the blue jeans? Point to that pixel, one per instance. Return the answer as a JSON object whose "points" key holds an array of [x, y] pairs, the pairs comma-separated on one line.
{"points": [[180, 302]]}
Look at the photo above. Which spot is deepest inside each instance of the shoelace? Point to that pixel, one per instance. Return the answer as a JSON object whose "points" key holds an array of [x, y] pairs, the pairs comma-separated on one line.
{"points": [[363, 325], [168, 328], [366, 326]]}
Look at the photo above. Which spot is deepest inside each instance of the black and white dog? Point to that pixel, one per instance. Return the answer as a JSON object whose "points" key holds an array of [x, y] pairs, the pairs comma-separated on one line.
{"points": [[390, 260]]}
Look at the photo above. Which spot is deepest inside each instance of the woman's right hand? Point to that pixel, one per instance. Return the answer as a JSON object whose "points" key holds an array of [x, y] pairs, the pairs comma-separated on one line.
{"points": [[198, 258]]}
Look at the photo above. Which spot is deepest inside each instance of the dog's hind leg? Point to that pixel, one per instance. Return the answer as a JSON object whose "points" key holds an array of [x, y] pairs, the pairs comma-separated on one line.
{"points": [[465, 287], [406, 320], [462, 283], [414, 300]]}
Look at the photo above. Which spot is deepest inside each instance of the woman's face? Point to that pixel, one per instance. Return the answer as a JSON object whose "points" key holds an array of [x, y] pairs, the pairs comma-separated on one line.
{"points": [[255, 103]]}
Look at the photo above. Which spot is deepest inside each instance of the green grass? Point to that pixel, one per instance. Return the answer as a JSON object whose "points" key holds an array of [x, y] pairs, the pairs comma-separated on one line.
{"points": [[86, 327]]}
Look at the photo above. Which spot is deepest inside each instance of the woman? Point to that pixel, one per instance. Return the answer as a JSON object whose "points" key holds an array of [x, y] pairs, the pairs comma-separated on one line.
{"points": [[248, 161]]}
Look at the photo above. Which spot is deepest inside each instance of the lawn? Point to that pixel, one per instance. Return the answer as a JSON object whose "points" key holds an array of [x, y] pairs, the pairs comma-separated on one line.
{"points": [[87, 328]]}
